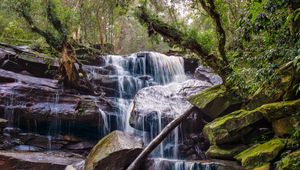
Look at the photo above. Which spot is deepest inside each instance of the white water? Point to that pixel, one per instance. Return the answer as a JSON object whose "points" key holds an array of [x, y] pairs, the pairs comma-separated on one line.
{"points": [[141, 70]]}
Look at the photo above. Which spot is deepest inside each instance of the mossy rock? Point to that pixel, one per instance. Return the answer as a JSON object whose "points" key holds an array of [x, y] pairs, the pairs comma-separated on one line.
{"points": [[275, 111], [286, 126], [213, 101], [221, 130], [258, 155], [115, 151], [290, 162], [266, 166], [224, 151]]}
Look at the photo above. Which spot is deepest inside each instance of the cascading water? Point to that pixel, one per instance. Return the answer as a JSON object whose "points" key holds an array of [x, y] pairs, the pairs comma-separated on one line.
{"points": [[141, 70]]}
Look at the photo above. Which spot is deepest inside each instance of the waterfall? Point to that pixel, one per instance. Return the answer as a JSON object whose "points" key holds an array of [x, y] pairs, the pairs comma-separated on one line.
{"points": [[135, 72], [140, 70]]}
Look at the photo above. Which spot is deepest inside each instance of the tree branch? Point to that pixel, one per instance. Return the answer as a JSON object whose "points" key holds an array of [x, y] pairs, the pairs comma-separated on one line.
{"points": [[210, 8], [175, 36], [55, 21], [135, 165], [23, 9]]}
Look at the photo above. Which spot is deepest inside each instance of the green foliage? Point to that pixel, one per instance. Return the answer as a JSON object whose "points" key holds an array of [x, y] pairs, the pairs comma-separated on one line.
{"points": [[265, 44]]}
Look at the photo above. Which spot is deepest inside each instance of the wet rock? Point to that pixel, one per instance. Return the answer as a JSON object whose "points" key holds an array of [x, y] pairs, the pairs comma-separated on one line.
{"points": [[115, 151], [224, 151], [289, 162], [260, 154], [27, 148], [207, 74], [159, 163], [80, 146], [34, 63], [214, 101], [163, 103], [38, 102], [36, 160]]}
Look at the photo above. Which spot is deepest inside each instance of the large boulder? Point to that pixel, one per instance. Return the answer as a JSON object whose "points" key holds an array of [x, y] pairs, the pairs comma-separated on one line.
{"points": [[214, 101], [224, 151], [114, 152], [261, 154], [275, 111], [163, 103], [230, 127], [224, 129], [10, 160]]}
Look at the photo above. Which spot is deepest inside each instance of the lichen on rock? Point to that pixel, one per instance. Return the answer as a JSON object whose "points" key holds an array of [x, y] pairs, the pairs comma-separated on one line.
{"points": [[213, 101], [224, 151], [260, 154]]}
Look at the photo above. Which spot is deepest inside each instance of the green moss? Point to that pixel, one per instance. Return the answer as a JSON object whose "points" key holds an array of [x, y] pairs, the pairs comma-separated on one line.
{"points": [[213, 101], [274, 111], [225, 151], [208, 95], [260, 154], [290, 162], [263, 167], [221, 129]]}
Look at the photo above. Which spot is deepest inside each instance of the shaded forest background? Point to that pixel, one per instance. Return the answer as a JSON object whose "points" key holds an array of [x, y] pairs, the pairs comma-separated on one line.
{"points": [[262, 36]]}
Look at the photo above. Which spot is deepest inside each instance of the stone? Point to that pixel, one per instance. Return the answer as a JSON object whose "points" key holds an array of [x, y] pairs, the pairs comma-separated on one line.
{"points": [[290, 162], [221, 130], [115, 151], [162, 163], [39, 101], [207, 74], [260, 154], [266, 166], [275, 111], [10, 160], [224, 151], [152, 104], [213, 101], [3, 123], [80, 146], [286, 126]]}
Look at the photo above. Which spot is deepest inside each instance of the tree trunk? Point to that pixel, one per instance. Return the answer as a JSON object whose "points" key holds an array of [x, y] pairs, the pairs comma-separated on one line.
{"points": [[135, 165]]}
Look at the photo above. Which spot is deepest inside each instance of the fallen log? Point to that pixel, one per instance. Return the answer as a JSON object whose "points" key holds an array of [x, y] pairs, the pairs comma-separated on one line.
{"points": [[158, 139]]}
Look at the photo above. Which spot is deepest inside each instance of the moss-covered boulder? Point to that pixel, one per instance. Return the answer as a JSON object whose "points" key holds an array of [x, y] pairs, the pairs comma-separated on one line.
{"points": [[115, 151], [225, 129], [286, 126], [266, 166], [275, 111], [222, 129], [213, 101], [224, 151], [290, 162], [260, 154]]}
